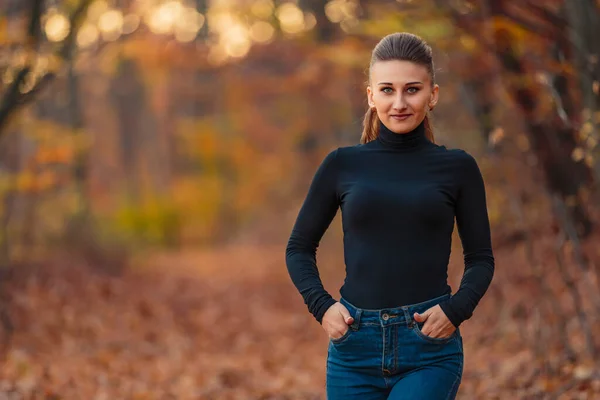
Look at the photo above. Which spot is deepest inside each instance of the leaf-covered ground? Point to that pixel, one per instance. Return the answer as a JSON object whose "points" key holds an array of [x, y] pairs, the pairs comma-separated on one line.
{"points": [[228, 324]]}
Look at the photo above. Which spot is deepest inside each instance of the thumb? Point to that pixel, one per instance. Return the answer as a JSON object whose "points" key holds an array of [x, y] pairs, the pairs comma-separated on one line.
{"points": [[347, 317], [421, 317]]}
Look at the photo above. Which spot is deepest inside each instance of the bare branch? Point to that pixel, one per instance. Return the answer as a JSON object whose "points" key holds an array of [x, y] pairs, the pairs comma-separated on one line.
{"points": [[34, 31], [76, 19], [27, 97], [13, 98], [528, 25], [542, 12]]}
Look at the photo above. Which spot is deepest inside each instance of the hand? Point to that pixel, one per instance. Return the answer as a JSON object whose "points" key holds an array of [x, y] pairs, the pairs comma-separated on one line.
{"points": [[336, 320], [437, 324]]}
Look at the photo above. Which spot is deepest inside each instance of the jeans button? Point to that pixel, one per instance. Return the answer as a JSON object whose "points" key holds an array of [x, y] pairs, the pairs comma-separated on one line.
{"points": [[385, 317]]}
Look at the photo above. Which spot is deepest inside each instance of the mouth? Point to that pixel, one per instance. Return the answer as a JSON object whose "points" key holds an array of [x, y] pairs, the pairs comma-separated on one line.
{"points": [[400, 117]]}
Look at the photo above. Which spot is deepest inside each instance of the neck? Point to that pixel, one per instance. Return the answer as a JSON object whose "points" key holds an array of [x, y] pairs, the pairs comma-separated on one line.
{"points": [[408, 141]]}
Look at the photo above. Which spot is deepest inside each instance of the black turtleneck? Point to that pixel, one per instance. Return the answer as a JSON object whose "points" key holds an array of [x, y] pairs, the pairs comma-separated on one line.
{"points": [[403, 142], [399, 196]]}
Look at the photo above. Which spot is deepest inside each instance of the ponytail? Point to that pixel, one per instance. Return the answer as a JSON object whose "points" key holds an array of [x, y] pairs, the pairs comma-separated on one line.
{"points": [[370, 127], [429, 129]]}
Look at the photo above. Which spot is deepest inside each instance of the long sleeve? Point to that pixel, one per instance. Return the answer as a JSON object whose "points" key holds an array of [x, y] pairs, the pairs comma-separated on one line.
{"points": [[474, 231], [315, 216]]}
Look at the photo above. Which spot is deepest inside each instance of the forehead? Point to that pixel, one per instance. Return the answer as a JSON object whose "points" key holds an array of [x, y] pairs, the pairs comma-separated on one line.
{"points": [[397, 71]]}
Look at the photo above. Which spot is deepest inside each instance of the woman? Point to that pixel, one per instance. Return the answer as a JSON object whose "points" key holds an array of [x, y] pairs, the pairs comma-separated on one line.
{"points": [[395, 334]]}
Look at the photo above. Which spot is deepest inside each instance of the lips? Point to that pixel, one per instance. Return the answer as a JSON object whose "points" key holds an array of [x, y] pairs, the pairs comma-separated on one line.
{"points": [[400, 117]]}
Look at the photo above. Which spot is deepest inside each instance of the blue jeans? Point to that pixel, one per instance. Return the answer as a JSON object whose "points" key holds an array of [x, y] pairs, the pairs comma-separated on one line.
{"points": [[384, 355]]}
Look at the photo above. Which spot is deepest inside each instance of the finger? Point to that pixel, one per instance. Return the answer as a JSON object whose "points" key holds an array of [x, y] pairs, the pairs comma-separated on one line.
{"points": [[421, 317], [425, 314], [440, 332], [432, 334], [346, 315], [430, 329], [340, 332]]}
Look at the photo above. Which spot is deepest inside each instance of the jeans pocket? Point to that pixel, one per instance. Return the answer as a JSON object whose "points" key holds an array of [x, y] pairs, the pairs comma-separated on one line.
{"points": [[341, 338], [417, 329]]}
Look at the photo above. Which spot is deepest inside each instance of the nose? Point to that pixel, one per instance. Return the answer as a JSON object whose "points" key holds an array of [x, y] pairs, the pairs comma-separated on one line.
{"points": [[399, 102]]}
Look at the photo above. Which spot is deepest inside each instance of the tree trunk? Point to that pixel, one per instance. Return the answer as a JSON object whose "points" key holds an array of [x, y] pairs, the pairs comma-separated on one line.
{"points": [[553, 139], [584, 29]]}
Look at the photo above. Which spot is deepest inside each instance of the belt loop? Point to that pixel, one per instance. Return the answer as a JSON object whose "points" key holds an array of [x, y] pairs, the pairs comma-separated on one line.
{"points": [[356, 322], [409, 319]]}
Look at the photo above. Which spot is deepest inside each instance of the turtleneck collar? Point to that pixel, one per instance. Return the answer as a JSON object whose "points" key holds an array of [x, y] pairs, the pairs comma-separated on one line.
{"points": [[408, 141]]}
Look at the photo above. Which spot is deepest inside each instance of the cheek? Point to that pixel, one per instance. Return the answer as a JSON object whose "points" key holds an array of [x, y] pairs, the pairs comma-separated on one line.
{"points": [[420, 104], [386, 99]]}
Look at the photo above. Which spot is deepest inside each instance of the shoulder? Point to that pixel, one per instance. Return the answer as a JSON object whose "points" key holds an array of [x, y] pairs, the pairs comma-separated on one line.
{"points": [[336, 158], [463, 157], [343, 153], [462, 164], [466, 168], [349, 151], [338, 155], [458, 157]]}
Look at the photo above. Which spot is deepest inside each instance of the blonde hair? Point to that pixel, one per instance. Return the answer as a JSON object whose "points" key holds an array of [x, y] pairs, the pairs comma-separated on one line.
{"points": [[402, 46]]}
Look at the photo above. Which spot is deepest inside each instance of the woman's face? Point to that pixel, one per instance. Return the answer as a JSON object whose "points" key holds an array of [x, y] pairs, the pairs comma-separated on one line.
{"points": [[402, 93]]}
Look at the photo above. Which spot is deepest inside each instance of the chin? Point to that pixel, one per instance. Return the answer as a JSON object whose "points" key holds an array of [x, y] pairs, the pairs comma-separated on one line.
{"points": [[401, 126]]}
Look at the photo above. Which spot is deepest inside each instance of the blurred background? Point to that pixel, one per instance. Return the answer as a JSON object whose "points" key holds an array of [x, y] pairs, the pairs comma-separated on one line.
{"points": [[154, 155]]}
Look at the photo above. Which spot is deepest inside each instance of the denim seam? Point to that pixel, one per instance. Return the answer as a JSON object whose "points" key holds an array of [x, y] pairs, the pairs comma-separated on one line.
{"points": [[393, 308], [379, 324], [395, 348], [456, 383], [342, 338], [454, 390], [383, 354], [425, 337]]}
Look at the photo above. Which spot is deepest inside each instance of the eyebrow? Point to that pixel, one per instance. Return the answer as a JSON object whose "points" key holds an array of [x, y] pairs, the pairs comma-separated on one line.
{"points": [[409, 83]]}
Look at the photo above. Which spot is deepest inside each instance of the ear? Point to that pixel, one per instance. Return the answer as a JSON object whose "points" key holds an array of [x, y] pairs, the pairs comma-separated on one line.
{"points": [[433, 99], [370, 96]]}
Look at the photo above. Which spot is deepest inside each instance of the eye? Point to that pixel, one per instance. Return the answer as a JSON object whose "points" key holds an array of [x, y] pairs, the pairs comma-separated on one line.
{"points": [[414, 90], [385, 88]]}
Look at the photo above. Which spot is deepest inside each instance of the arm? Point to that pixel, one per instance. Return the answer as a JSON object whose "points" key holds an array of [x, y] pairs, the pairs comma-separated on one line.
{"points": [[315, 216], [474, 231]]}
